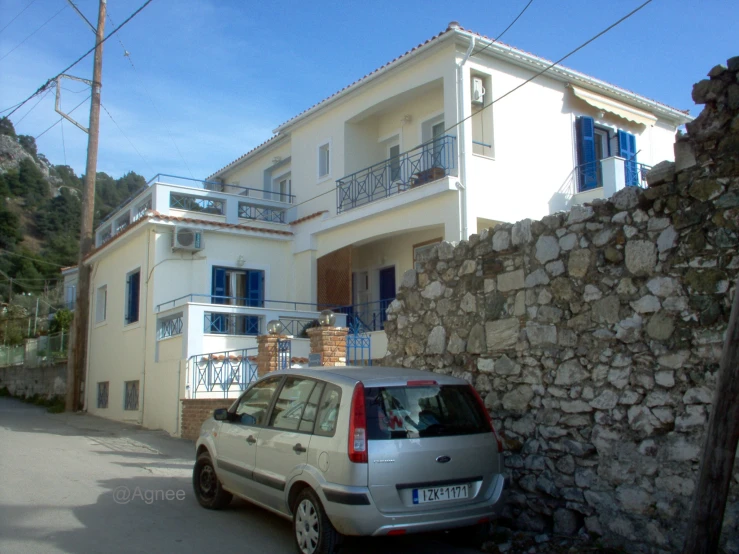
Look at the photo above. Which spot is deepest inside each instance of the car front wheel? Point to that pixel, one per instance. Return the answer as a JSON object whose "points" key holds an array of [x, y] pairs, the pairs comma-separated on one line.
{"points": [[208, 489], [314, 533]]}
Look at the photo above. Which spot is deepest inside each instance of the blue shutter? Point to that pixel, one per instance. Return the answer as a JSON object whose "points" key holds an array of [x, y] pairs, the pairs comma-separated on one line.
{"points": [[219, 285], [218, 321], [587, 164], [627, 150], [132, 311], [255, 288]]}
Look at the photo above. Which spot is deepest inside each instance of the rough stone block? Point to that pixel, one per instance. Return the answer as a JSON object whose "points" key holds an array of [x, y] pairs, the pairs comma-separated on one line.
{"points": [[502, 334]]}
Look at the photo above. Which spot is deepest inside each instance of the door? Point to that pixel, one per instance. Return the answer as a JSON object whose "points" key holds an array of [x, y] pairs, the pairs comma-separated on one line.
{"points": [[236, 443], [437, 132], [387, 293], [627, 150], [334, 279], [361, 296], [393, 156], [283, 444]]}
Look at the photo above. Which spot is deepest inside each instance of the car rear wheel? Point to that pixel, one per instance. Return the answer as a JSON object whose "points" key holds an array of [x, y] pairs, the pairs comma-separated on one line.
{"points": [[314, 533], [208, 489]]}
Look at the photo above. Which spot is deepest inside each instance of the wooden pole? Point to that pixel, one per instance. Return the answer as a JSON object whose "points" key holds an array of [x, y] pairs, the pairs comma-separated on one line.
{"points": [[78, 353], [717, 463]]}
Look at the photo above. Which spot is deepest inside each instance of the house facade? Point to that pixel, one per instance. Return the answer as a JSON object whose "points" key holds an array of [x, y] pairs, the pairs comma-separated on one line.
{"points": [[339, 203]]}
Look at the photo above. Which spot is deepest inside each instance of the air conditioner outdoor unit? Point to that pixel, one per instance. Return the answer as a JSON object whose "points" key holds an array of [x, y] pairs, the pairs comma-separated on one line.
{"points": [[478, 91], [188, 238]]}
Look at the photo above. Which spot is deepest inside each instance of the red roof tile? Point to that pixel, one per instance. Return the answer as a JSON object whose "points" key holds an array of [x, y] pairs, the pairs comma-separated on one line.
{"points": [[307, 217]]}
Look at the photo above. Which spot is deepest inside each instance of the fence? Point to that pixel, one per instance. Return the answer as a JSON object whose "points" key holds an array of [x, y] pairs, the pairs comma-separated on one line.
{"points": [[11, 355], [221, 371], [43, 350]]}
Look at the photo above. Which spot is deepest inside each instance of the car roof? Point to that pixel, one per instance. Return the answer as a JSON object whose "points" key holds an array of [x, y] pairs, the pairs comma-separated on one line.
{"points": [[374, 376]]}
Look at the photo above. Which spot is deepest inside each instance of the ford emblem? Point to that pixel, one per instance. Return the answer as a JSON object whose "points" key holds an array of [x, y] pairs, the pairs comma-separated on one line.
{"points": [[443, 459]]}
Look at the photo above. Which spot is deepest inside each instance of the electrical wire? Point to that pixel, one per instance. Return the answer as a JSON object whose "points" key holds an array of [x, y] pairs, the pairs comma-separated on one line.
{"points": [[126, 137], [43, 87], [127, 55], [17, 16], [33, 33], [550, 66], [34, 106], [496, 39], [50, 127], [8, 252]]}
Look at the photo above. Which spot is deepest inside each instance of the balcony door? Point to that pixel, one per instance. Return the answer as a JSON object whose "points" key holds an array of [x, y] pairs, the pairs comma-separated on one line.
{"points": [[236, 287], [387, 291]]}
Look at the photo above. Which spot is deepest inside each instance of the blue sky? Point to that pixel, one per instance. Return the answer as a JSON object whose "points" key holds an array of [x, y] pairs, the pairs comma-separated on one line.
{"points": [[213, 78]]}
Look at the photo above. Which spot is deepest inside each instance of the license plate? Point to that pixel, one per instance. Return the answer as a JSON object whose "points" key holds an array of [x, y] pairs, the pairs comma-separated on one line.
{"points": [[440, 494]]}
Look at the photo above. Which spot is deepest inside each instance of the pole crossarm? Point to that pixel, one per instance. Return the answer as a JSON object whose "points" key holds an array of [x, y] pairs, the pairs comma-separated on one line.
{"points": [[58, 103]]}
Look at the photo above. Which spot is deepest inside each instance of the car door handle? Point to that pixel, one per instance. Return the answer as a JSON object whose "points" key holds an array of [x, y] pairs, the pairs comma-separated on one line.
{"points": [[251, 440], [298, 448]]}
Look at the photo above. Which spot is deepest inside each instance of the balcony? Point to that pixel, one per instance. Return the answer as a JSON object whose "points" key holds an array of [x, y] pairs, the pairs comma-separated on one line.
{"points": [[424, 164], [601, 179], [211, 201], [208, 323]]}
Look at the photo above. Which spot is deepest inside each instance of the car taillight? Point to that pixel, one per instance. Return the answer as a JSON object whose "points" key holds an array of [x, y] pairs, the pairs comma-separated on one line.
{"points": [[422, 383], [487, 416], [358, 427]]}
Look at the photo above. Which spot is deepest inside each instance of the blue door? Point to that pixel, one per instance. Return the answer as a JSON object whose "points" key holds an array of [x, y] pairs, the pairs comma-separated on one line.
{"points": [[387, 292]]}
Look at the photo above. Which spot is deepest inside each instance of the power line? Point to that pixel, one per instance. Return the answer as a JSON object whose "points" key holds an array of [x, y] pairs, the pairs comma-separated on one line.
{"points": [[127, 55], [583, 45], [8, 252], [550, 66], [78, 60], [126, 136], [17, 16], [496, 39], [34, 106], [33, 33], [75, 8], [50, 127]]}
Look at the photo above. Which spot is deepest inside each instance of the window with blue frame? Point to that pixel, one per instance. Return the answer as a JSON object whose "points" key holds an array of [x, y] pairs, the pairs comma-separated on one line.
{"points": [[236, 287], [593, 145], [133, 294]]}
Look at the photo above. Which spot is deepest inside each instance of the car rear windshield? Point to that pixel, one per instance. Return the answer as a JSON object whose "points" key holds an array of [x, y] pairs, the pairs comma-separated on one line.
{"points": [[422, 411]]}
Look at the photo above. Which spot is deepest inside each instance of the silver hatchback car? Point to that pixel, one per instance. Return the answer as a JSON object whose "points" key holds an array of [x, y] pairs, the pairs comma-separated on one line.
{"points": [[355, 451]]}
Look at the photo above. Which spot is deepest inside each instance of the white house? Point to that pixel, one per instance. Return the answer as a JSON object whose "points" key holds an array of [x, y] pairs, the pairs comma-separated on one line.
{"points": [[334, 208]]}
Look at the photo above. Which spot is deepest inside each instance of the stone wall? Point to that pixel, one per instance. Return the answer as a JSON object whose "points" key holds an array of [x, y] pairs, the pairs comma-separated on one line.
{"points": [[594, 337], [46, 381], [195, 411]]}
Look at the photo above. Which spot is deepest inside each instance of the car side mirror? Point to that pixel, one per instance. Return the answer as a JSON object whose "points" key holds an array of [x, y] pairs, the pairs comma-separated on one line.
{"points": [[221, 414]]}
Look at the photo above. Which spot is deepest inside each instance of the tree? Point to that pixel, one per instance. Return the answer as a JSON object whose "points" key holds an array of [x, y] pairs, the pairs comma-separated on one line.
{"points": [[62, 320], [6, 127], [29, 145], [10, 233]]}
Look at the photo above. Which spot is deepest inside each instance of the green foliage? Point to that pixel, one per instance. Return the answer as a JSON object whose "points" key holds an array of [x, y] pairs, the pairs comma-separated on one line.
{"points": [[61, 322], [111, 193], [29, 145], [67, 175], [6, 127], [10, 233], [27, 182]]}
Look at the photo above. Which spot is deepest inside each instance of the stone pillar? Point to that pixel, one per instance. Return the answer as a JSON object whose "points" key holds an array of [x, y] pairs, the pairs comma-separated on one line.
{"points": [[267, 353], [330, 343]]}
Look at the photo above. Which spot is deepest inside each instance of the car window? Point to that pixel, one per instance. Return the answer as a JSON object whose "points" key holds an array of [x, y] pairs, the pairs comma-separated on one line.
{"points": [[309, 414], [291, 403], [252, 408], [328, 411], [425, 411]]}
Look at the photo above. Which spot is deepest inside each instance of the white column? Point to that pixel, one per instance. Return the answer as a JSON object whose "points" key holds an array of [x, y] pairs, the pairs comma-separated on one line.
{"points": [[614, 177]]}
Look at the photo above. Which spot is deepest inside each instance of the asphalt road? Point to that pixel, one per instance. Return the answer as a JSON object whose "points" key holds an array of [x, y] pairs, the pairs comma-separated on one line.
{"points": [[78, 483]]}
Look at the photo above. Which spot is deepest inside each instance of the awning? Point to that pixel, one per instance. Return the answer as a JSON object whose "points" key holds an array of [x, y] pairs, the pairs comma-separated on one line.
{"points": [[614, 106]]}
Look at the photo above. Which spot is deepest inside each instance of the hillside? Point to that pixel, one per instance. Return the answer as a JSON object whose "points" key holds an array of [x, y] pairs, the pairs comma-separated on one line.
{"points": [[40, 210]]}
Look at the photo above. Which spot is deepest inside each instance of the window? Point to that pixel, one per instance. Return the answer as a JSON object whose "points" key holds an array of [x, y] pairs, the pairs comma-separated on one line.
{"points": [[252, 407], [103, 394], [481, 120], [594, 145], [131, 400], [281, 188], [394, 156], [101, 304], [133, 286], [292, 402], [71, 297], [309, 414], [423, 411], [328, 412], [238, 287], [324, 160]]}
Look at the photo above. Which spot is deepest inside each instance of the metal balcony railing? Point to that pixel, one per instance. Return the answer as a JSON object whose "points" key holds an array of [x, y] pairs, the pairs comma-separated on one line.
{"points": [[589, 176], [222, 371], [370, 316], [424, 164]]}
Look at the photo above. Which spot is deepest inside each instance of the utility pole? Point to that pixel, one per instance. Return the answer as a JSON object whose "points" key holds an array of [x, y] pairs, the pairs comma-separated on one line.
{"points": [[709, 500], [78, 352]]}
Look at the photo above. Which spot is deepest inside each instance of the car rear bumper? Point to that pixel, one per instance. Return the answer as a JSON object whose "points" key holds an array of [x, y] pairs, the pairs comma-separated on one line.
{"points": [[365, 519]]}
